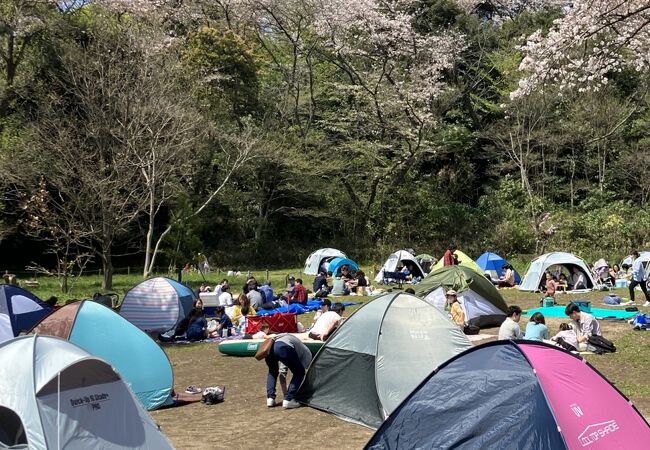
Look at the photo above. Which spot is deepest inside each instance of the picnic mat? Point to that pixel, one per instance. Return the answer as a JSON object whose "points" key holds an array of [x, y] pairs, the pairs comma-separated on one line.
{"points": [[297, 308], [598, 313]]}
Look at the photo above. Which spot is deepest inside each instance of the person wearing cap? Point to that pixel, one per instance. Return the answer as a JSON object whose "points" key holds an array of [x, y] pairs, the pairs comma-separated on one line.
{"points": [[457, 313]]}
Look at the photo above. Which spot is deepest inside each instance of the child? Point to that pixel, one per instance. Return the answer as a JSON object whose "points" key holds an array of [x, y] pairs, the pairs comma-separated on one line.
{"points": [[536, 329], [224, 322], [566, 338], [325, 306]]}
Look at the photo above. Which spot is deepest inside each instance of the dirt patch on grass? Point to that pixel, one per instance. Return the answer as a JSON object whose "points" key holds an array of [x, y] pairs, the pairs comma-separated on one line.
{"points": [[243, 421]]}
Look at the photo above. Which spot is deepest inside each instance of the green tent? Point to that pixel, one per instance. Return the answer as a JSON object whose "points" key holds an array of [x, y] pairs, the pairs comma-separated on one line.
{"points": [[481, 301], [464, 261], [378, 356]]}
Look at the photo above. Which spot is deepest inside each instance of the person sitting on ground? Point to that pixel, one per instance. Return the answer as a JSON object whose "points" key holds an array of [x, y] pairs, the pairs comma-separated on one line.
{"points": [[510, 327], [219, 287], [198, 304], [566, 338], [264, 330], [551, 285], [224, 322], [584, 323], [338, 287], [614, 273], [346, 274], [324, 307], [288, 350], [320, 286], [250, 281], [359, 281], [536, 329], [327, 323], [225, 298], [267, 291], [455, 310], [291, 284], [562, 284], [299, 293], [508, 279], [205, 287], [577, 279], [242, 309], [626, 272], [197, 327], [255, 296]]}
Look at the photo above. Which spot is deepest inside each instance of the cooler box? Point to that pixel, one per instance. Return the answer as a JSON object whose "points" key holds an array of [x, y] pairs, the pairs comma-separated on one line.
{"points": [[583, 305], [278, 323], [548, 302], [622, 283]]}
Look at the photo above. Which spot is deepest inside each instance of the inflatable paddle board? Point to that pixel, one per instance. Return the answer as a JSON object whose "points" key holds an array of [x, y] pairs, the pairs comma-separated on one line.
{"points": [[248, 347]]}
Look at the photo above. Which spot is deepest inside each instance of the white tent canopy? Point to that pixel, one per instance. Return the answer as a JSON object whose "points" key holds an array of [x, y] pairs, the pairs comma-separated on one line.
{"points": [[645, 260], [400, 257], [541, 264], [320, 256], [56, 395]]}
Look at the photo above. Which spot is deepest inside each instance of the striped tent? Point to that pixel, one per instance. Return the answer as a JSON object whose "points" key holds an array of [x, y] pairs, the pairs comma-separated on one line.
{"points": [[157, 305]]}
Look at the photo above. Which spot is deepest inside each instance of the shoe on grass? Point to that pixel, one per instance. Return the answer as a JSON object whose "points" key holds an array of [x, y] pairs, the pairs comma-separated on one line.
{"points": [[270, 402], [290, 404], [193, 390]]}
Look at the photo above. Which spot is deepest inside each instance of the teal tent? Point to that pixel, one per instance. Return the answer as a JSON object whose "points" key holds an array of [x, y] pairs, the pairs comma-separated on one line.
{"points": [[97, 329]]}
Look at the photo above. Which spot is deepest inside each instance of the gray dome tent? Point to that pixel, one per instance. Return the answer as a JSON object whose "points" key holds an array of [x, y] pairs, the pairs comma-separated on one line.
{"points": [[57, 395], [378, 356]]}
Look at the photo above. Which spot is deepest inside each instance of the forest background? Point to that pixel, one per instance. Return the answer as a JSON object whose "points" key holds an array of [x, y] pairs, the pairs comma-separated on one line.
{"points": [[255, 131]]}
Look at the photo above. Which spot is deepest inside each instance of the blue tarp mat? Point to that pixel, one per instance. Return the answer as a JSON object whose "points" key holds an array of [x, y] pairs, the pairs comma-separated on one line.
{"points": [[296, 308], [598, 313]]}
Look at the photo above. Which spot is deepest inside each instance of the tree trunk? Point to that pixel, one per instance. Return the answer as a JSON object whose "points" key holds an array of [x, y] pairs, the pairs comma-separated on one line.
{"points": [[107, 266], [148, 250]]}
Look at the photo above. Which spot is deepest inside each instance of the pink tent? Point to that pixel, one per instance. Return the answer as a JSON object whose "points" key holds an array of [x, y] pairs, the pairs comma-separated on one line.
{"points": [[515, 394]]}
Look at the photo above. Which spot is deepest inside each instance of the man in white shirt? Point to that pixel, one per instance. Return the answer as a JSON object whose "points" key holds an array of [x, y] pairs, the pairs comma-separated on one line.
{"points": [[327, 323], [638, 278], [510, 327], [577, 279]]}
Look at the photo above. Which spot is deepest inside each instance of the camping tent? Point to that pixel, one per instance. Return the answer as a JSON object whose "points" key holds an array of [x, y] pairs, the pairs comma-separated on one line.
{"points": [[493, 263], [316, 260], [556, 262], [20, 310], [379, 354], [463, 259], [103, 333], [56, 395], [508, 394], [337, 263], [157, 305], [480, 300], [397, 259], [645, 260]]}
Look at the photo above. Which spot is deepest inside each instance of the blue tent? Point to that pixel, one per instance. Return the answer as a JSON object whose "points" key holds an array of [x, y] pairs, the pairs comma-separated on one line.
{"points": [[103, 333], [20, 310], [337, 263], [491, 262]]}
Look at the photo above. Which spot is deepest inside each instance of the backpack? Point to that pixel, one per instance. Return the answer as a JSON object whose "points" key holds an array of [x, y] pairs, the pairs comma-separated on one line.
{"points": [[600, 345]]}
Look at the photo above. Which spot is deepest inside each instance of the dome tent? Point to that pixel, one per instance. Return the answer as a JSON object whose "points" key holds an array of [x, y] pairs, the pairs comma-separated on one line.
{"points": [[143, 365], [20, 310], [514, 394], [535, 273], [493, 263], [157, 305], [395, 259], [644, 257], [463, 260], [316, 259], [57, 395], [337, 263], [379, 354], [480, 300]]}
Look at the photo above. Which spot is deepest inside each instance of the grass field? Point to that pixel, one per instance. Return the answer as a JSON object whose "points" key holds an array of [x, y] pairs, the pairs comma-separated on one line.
{"points": [[243, 421]]}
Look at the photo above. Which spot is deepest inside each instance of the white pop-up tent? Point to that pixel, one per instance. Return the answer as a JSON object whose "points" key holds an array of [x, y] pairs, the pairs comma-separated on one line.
{"points": [[556, 262], [55, 395], [397, 259], [319, 257]]}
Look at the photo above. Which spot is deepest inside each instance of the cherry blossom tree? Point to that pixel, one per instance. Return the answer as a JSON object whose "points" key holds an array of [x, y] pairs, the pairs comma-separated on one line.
{"points": [[593, 39]]}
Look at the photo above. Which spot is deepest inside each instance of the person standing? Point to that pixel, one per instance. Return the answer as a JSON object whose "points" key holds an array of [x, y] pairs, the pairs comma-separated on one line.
{"points": [[638, 278], [448, 258], [290, 351]]}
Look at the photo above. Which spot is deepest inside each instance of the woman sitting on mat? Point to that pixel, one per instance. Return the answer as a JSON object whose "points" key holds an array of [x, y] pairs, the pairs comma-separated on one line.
{"points": [[536, 329], [242, 310], [197, 329]]}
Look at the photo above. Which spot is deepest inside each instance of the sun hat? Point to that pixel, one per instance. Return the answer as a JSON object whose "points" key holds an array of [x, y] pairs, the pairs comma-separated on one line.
{"points": [[451, 292]]}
